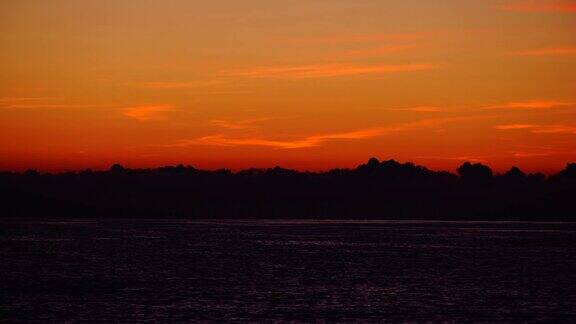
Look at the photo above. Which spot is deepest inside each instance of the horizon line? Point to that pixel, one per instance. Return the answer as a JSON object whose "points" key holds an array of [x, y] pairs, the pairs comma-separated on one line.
{"points": [[300, 170]]}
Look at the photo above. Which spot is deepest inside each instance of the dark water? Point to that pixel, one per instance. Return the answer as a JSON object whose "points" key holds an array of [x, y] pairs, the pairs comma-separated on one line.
{"points": [[121, 271]]}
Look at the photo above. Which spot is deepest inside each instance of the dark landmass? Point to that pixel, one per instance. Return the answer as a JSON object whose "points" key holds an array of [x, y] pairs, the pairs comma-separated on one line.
{"points": [[375, 190]]}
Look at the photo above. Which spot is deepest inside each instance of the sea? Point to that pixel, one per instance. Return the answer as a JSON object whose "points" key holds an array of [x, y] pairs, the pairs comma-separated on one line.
{"points": [[120, 270]]}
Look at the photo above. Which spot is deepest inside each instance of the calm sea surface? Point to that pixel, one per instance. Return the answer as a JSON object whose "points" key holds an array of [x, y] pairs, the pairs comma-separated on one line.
{"points": [[244, 271]]}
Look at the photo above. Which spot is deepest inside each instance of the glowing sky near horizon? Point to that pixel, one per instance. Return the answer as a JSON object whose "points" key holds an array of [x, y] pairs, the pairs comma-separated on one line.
{"points": [[298, 83]]}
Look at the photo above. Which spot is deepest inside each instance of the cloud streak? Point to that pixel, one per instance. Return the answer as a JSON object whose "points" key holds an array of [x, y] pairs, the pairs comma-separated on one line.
{"points": [[555, 129], [312, 140], [164, 85], [515, 126], [48, 106], [147, 113], [361, 38], [329, 70], [540, 129], [239, 124], [19, 100], [44, 103], [551, 51], [541, 6], [469, 158], [422, 109], [533, 104]]}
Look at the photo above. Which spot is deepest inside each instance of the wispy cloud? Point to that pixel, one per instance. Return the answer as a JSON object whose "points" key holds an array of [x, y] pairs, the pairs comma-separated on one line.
{"points": [[540, 129], [329, 70], [41, 105], [313, 140], [533, 104], [360, 38], [238, 124], [221, 140], [524, 154], [555, 129], [310, 141], [37, 103], [422, 109], [462, 158], [540, 6], [147, 113], [514, 126], [45, 103], [20, 100], [47, 106], [550, 51], [174, 85]]}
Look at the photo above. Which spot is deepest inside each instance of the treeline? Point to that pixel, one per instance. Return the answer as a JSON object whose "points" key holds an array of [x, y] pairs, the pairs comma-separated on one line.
{"points": [[375, 190]]}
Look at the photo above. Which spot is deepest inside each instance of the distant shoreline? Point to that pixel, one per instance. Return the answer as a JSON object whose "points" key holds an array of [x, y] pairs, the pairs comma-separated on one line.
{"points": [[376, 190]]}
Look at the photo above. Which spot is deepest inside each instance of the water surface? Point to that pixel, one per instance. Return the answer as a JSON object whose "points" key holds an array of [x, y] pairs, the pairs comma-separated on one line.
{"points": [[176, 270]]}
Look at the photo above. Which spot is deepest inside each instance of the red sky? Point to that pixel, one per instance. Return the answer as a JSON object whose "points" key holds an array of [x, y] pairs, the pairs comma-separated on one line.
{"points": [[303, 84]]}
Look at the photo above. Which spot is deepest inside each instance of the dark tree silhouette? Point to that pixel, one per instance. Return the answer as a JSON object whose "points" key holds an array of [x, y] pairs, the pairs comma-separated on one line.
{"points": [[376, 189], [514, 176], [116, 169], [475, 173], [569, 172], [515, 173]]}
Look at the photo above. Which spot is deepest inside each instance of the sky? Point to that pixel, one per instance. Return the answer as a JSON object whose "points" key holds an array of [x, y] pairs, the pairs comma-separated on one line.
{"points": [[310, 85]]}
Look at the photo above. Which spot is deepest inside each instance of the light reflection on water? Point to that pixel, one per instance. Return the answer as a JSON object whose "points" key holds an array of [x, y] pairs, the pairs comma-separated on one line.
{"points": [[295, 270]]}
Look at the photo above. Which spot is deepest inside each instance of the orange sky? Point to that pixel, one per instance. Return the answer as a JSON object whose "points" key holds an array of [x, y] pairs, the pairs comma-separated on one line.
{"points": [[304, 84]]}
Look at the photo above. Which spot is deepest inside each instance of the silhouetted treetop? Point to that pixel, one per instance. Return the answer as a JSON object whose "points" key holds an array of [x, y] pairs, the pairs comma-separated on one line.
{"points": [[514, 175], [392, 169], [569, 171], [566, 175], [475, 173], [515, 172], [31, 173], [372, 166], [117, 168]]}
